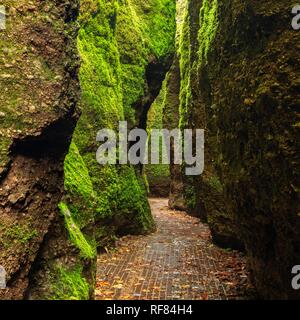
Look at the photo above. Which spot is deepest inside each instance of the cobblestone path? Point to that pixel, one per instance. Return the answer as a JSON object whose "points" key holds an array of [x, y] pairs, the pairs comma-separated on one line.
{"points": [[177, 262]]}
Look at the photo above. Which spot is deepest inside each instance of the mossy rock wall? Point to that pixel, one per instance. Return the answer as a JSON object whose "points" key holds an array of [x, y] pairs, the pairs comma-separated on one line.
{"points": [[255, 109], [171, 121], [185, 107], [243, 91], [125, 47], [39, 93], [208, 188]]}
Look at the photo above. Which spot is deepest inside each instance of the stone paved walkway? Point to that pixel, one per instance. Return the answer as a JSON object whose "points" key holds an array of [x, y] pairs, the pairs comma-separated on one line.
{"points": [[177, 262]]}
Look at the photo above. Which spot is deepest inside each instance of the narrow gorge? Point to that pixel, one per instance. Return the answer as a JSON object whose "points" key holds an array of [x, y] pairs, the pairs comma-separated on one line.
{"points": [[70, 68]]}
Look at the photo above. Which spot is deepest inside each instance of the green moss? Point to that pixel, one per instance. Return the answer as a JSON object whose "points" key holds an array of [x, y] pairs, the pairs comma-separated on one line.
{"points": [[87, 249], [116, 41], [155, 114], [215, 183], [126, 195], [156, 20], [77, 177], [20, 234], [132, 198], [189, 68], [5, 143], [145, 29], [146, 182], [190, 196], [157, 174], [185, 69], [69, 284], [79, 186], [208, 27], [193, 47]]}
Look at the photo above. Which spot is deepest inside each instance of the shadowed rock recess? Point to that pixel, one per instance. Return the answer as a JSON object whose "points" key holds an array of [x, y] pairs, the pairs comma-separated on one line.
{"points": [[230, 67]]}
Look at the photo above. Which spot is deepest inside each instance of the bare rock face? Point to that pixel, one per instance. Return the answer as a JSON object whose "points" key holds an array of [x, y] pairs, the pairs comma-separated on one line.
{"points": [[39, 93]]}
